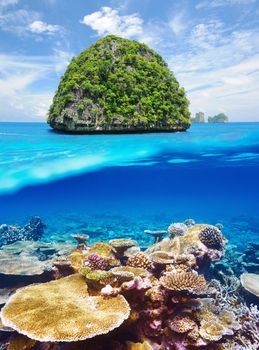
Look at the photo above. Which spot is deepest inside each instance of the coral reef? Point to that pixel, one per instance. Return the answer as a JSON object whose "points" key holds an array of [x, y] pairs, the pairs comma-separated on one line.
{"points": [[95, 262], [156, 234], [250, 281], [183, 281], [211, 237], [177, 229], [165, 298], [140, 260], [59, 311], [33, 230]]}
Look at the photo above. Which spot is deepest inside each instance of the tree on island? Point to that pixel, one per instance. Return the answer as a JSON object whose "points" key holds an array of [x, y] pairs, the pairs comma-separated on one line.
{"points": [[219, 118], [119, 86]]}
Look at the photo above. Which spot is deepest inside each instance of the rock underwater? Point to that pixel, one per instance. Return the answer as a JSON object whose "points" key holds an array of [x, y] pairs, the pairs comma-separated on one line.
{"points": [[118, 86]]}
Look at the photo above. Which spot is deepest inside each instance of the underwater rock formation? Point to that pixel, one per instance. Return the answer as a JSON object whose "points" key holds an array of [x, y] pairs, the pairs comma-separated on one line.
{"points": [[119, 86], [33, 230]]}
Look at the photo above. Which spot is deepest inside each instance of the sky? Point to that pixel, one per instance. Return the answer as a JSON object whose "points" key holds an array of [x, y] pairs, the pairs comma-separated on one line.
{"points": [[212, 46]]}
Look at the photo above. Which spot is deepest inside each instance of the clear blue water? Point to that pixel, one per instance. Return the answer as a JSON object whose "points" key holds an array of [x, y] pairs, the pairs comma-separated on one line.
{"points": [[121, 184]]}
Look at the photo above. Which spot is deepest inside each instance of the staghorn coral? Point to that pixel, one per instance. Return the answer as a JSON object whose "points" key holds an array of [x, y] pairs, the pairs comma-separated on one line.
{"points": [[95, 262], [212, 238], [140, 260], [184, 281], [56, 311], [182, 323]]}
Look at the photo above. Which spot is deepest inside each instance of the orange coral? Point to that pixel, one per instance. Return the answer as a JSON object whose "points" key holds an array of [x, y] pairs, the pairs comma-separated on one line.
{"points": [[46, 312], [182, 323], [21, 342], [184, 281], [140, 260]]}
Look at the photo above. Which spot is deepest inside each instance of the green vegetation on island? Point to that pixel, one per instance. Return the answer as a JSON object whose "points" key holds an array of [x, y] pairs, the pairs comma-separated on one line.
{"points": [[119, 85], [219, 118]]}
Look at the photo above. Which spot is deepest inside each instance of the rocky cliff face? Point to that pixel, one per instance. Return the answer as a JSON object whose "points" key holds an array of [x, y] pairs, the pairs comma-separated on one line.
{"points": [[118, 86]]}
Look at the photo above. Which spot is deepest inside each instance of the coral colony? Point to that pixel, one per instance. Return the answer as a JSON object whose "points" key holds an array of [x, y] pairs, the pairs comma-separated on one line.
{"points": [[116, 296]]}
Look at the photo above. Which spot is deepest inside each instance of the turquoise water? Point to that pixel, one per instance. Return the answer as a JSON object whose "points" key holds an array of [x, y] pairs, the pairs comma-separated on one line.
{"points": [[122, 184]]}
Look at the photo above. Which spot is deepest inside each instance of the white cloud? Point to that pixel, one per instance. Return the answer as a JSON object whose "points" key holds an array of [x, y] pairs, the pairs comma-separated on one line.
{"points": [[221, 71], [19, 99], [5, 3], [40, 27], [205, 35], [108, 21], [221, 3], [177, 24], [17, 21]]}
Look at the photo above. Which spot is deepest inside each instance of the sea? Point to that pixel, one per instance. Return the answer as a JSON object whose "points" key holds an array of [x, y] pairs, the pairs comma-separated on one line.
{"points": [[120, 185]]}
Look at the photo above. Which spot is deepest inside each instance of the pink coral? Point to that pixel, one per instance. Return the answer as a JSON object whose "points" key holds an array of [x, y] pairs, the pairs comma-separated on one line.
{"points": [[137, 283], [96, 262]]}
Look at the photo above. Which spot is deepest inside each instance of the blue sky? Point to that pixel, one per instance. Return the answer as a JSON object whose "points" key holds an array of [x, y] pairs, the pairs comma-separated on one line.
{"points": [[211, 45]]}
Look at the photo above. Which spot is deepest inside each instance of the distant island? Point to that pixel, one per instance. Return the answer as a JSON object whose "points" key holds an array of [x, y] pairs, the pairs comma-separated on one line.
{"points": [[119, 86], [200, 118]]}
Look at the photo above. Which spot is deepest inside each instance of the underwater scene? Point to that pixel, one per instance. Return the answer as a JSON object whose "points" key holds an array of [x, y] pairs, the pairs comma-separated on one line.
{"points": [[156, 235]]}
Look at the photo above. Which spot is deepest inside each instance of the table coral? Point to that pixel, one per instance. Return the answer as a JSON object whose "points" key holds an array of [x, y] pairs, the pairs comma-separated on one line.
{"points": [[56, 311]]}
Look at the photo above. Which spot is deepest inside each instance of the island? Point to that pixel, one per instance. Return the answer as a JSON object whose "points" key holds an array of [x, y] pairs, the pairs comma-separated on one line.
{"points": [[119, 86], [199, 118], [219, 118]]}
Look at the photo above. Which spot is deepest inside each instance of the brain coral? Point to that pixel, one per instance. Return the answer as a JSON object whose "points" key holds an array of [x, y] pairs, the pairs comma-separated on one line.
{"points": [[140, 260], [62, 310], [183, 281], [212, 237]]}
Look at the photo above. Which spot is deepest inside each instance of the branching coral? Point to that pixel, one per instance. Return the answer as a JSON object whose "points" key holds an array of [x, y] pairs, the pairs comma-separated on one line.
{"points": [[140, 260], [182, 323], [62, 310], [95, 262], [184, 281]]}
